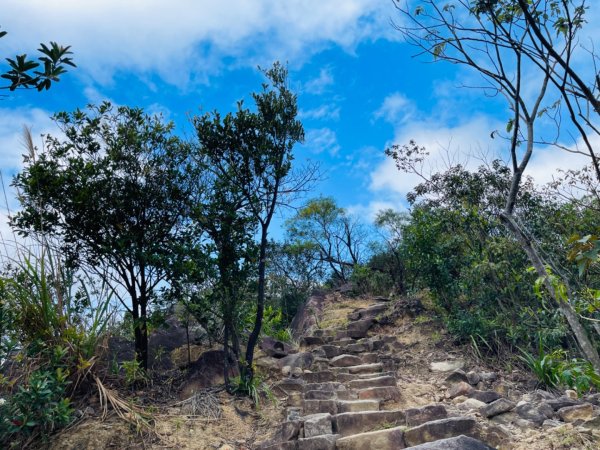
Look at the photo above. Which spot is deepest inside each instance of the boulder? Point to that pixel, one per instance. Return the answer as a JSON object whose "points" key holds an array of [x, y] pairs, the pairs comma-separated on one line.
{"points": [[499, 406], [305, 316], [577, 412], [533, 413], [359, 329], [276, 349], [303, 360], [205, 372]]}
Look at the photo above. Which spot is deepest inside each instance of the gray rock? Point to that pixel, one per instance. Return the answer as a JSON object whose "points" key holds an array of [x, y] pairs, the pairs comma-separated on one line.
{"points": [[531, 412], [461, 388], [455, 443], [317, 425], [290, 430], [473, 378], [499, 406], [325, 442], [562, 402], [485, 396], [345, 361], [456, 376], [388, 439], [446, 366], [303, 360], [441, 429], [419, 416], [577, 412]]}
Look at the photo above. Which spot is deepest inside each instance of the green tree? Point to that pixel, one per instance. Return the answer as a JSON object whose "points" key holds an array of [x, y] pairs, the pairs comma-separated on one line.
{"points": [[111, 192], [22, 73], [495, 39], [338, 241], [251, 151]]}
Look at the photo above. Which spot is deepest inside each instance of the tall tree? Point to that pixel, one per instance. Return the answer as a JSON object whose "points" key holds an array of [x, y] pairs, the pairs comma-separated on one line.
{"points": [[337, 239], [495, 39], [111, 191], [253, 152]]}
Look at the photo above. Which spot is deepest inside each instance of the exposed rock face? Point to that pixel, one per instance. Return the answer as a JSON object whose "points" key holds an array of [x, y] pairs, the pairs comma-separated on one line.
{"points": [[305, 317], [205, 372]]}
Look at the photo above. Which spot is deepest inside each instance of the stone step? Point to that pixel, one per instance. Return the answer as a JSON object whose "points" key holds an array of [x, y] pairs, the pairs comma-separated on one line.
{"points": [[324, 442], [388, 439], [317, 425], [369, 358], [347, 424], [383, 393], [319, 406], [346, 377], [456, 443], [372, 382], [320, 395], [326, 386], [318, 377], [360, 369], [331, 351], [441, 429], [345, 361], [358, 405]]}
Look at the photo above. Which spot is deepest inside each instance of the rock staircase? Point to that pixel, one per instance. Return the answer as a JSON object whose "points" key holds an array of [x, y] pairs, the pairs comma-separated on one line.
{"points": [[345, 400]]}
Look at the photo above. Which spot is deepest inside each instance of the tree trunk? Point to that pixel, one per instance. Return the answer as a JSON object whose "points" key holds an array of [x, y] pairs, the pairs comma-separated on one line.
{"points": [[587, 347], [260, 306]]}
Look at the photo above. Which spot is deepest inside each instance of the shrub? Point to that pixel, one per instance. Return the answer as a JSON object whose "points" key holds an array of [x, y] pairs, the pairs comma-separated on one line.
{"points": [[40, 407]]}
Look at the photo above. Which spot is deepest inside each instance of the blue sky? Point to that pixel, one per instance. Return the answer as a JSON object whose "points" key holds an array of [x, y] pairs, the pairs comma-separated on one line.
{"points": [[359, 88]]}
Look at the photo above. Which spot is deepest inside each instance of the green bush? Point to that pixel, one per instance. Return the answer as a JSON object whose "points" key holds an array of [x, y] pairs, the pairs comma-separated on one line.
{"points": [[57, 323], [39, 407], [366, 280]]}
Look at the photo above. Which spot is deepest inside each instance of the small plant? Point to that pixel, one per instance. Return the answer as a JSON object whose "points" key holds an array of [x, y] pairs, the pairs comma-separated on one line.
{"points": [[135, 375], [555, 369], [253, 388]]}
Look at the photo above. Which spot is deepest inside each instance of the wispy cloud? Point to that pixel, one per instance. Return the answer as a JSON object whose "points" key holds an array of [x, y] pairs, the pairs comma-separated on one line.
{"points": [[323, 112], [320, 84], [322, 140], [396, 108]]}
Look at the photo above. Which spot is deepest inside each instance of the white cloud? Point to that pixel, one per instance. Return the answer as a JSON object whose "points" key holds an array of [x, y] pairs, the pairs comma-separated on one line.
{"points": [[396, 108], [322, 140], [187, 40], [370, 210], [320, 84], [447, 145], [323, 112]]}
